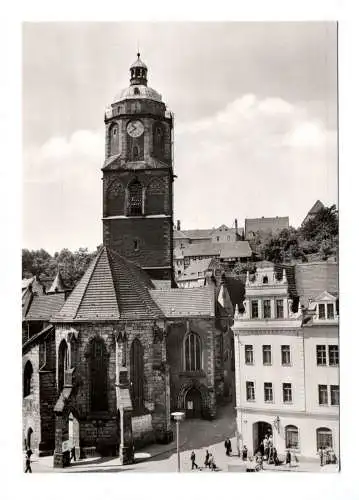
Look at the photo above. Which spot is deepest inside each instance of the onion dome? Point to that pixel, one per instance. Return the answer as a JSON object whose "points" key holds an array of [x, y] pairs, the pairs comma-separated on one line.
{"points": [[138, 88]]}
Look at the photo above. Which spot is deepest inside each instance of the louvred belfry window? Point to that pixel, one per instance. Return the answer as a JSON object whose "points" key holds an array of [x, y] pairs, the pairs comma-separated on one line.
{"points": [[135, 198]]}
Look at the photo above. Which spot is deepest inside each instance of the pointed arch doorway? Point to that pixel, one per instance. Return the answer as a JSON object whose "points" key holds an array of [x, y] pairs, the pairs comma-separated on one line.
{"points": [[193, 403]]}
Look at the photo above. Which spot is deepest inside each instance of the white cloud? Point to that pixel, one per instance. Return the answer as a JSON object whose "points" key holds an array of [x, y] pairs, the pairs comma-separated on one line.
{"points": [[255, 157]]}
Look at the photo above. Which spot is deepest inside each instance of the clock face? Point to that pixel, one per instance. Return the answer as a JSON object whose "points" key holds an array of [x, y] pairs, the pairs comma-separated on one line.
{"points": [[135, 128]]}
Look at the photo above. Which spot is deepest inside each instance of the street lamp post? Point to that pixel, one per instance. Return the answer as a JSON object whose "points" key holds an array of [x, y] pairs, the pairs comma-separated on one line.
{"points": [[178, 417]]}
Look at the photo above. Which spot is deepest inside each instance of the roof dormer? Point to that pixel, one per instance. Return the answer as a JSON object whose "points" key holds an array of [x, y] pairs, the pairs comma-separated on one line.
{"points": [[325, 307]]}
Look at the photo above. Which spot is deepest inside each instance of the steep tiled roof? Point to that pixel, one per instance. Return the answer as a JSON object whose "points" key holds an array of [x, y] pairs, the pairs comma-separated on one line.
{"points": [[316, 277], [202, 249], [236, 249], [236, 290], [196, 234], [318, 205], [179, 302], [265, 224], [44, 306], [179, 235], [49, 329], [112, 288], [222, 250], [57, 284]]}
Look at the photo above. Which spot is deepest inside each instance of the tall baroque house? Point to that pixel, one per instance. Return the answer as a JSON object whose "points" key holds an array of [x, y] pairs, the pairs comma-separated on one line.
{"points": [[127, 347], [287, 358]]}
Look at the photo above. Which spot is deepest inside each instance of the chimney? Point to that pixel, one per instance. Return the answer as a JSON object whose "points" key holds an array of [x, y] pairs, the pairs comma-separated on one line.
{"points": [[178, 225], [236, 225]]}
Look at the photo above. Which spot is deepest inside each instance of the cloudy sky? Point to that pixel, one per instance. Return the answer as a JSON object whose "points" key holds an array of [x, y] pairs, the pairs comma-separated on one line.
{"points": [[255, 120]]}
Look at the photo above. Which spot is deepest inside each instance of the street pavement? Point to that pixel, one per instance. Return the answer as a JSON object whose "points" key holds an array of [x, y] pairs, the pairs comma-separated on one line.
{"points": [[197, 435]]}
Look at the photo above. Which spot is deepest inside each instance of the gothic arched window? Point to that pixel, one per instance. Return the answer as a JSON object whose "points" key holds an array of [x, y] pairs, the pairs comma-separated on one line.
{"points": [[98, 375], [192, 352], [63, 363], [137, 374], [28, 371], [135, 198]]}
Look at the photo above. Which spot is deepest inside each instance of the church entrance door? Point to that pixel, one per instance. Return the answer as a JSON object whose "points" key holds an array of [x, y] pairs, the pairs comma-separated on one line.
{"points": [[193, 403]]}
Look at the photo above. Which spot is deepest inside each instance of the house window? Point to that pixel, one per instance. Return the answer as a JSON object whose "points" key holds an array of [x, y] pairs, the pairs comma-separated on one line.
{"points": [[323, 394], [250, 391], [321, 311], [321, 355], [287, 393], [324, 438], [265, 280], [291, 437], [248, 351], [137, 374], [285, 355], [268, 392], [63, 363], [192, 350], [267, 355], [98, 375], [254, 308], [330, 311], [136, 91], [135, 198], [136, 245], [28, 371], [334, 395], [217, 238], [333, 355], [279, 308], [266, 308]]}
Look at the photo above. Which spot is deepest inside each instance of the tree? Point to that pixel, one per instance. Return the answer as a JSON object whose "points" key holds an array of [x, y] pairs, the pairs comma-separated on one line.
{"points": [[71, 265]]}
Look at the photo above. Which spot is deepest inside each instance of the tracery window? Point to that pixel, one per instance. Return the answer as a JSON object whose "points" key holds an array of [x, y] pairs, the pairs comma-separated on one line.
{"points": [[137, 375], [63, 363], [192, 352], [28, 371], [98, 375]]}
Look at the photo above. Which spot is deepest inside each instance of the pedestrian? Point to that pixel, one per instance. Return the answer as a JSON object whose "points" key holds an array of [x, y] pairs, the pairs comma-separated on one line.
{"points": [[73, 454], [28, 461], [288, 458], [228, 447], [206, 460], [265, 449], [212, 464], [244, 453], [193, 460], [321, 456]]}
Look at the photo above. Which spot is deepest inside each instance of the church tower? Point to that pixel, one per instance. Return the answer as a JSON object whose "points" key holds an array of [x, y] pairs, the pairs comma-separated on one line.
{"points": [[138, 177]]}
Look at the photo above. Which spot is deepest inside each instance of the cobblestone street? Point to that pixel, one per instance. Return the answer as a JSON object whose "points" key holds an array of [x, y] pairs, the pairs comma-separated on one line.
{"points": [[198, 435]]}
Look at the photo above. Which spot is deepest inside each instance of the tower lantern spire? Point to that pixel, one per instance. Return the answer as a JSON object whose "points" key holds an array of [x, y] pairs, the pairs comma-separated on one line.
{"points": [[138, 71]]}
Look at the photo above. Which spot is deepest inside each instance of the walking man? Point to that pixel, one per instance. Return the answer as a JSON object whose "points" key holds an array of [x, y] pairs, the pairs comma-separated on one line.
{"points": [[193, 460], [28, 462], [206, 460], [228, 447]]}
